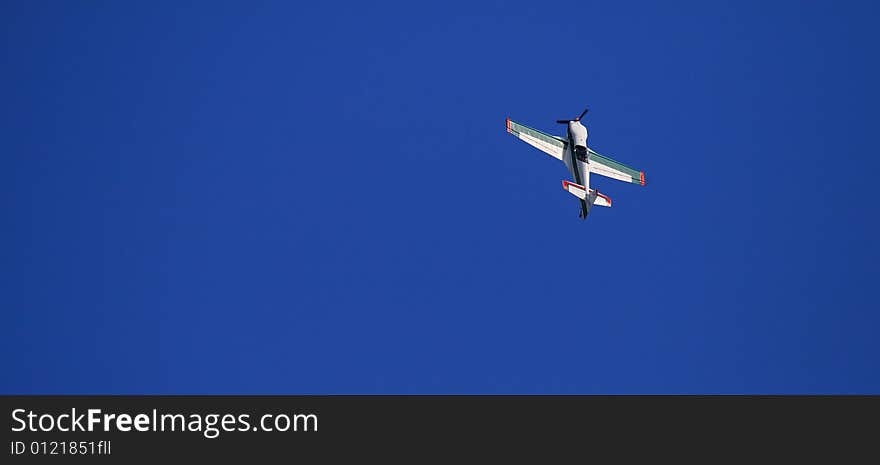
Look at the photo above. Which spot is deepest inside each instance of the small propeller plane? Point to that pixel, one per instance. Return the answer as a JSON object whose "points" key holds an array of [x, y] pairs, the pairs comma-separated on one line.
{"points": [[580, 161]]}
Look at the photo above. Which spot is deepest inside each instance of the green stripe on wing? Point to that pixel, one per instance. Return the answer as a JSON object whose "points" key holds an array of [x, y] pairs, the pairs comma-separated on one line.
{"points": [[636, 176], [517, 128]]}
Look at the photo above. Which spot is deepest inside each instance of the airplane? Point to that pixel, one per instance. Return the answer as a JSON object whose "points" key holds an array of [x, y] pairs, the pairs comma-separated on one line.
{"points": [[581, 161]]}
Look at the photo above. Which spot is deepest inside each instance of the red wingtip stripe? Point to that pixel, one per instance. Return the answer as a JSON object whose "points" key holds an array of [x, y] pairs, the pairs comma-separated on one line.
{"points": [[565, 185], [508, 124], [642, 178]]}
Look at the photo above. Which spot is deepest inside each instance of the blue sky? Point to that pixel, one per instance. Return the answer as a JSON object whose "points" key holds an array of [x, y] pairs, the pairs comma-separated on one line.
{"points": [[267, 197]]}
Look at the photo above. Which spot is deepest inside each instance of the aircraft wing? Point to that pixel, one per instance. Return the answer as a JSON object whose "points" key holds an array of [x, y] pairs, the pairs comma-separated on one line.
{"points": [[607, 167], [551, 145]]}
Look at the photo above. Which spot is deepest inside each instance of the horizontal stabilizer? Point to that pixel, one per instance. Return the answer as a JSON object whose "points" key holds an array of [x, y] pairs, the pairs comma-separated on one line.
{"points": [[590, 195], [600, 200]]}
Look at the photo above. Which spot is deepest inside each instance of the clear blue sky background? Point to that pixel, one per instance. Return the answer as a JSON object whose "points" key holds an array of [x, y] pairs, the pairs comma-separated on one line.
{"points": [[274, 197]]}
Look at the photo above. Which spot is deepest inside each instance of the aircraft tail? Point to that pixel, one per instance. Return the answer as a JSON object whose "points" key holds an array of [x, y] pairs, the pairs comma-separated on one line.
{"points": [[589, 197]]}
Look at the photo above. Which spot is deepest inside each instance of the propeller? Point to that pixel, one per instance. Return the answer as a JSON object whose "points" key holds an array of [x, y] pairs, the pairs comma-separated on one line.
{"points": [[566, 121]]}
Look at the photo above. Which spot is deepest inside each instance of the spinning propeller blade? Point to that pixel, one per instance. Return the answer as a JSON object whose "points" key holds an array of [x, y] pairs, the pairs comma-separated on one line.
{"points": [[566, 121]]}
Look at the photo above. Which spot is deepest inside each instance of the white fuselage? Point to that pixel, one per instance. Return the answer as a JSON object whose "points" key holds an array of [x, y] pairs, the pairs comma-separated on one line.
{"points": [[576, 156], [577, 133]]}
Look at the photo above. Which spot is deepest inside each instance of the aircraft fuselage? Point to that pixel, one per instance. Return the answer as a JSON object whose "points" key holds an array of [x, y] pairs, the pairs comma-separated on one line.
{"points": [[577, 158]]}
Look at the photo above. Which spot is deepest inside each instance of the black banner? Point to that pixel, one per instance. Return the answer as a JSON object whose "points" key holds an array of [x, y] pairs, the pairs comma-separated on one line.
{"points": [[64, 429]]}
